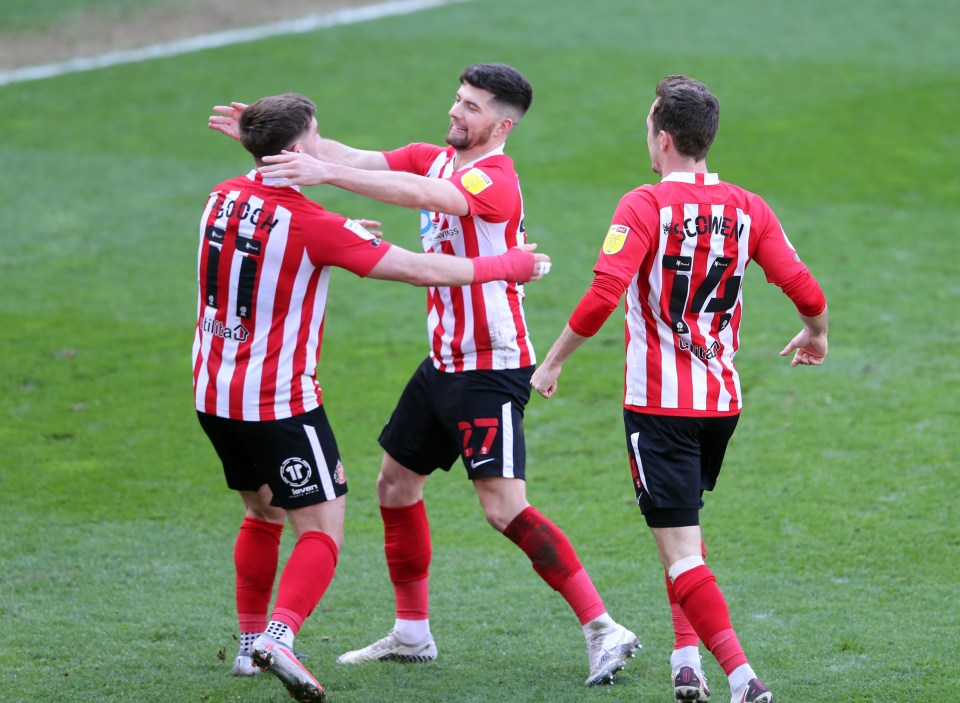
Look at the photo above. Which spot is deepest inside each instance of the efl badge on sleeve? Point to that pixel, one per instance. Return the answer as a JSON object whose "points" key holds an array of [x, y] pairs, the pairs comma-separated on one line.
{"points": [[616, 238], [476, 181]]}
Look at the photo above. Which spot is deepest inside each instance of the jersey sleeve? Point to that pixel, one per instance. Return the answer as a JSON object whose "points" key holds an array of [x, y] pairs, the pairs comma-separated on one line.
{"points": [[334, 240], [629, 238], [491, 188], [413, 158], [781, 263], [624, 249]]}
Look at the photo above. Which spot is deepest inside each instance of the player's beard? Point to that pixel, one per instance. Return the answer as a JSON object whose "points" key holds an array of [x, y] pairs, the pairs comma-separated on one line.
{"points": [[462, 141]]}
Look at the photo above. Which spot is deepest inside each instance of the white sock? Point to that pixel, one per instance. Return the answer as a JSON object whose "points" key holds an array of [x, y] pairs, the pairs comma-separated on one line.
{"points": [[598, 623], [685, 656], [280, 631], [246, 641], [412, 631], [740, 677]]}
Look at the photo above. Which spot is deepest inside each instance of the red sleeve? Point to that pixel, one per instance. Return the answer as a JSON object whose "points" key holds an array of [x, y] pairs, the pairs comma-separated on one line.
{"points": [[782, 265], [626, 245], [413, 158], [491, 188], [597, 304], [333, 240], [629, 239]]}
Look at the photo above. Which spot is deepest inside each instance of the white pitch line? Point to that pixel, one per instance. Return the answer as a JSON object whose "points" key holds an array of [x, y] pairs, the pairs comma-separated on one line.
{"points": [[218, 39]]}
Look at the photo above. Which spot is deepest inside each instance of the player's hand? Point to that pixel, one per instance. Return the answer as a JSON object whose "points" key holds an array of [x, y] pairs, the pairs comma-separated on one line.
{"points": [[541, 262], [296, 168], [544, 380], [810, 348], [227, 120], [372, 226]]}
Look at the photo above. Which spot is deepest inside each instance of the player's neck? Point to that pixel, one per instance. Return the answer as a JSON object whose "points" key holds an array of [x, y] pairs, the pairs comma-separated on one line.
{"points": [[466, 156], [683, 165]]}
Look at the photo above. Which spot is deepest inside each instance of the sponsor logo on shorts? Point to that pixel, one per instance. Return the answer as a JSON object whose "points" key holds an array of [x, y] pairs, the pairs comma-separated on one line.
{"points": [[616, 238], [339, 477], [475, 181], [296, 472], [474, 463]]}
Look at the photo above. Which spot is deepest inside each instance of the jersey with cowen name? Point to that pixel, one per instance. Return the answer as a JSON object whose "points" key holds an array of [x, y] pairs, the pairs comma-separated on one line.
{"points": [[264, 266], [480, 326], [682, 247]]}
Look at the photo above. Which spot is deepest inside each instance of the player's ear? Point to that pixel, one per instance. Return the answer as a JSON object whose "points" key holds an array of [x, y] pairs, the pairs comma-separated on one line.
{"points": [[504, 127], [666, 139]]}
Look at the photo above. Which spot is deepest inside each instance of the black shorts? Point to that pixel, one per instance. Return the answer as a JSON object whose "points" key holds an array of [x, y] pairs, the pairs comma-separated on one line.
{"points": [[673, 461], [297, 456], [476, 415]]}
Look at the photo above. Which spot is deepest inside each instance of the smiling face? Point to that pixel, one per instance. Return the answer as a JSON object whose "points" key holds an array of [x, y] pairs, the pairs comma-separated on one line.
{"points": [[476, 121]]}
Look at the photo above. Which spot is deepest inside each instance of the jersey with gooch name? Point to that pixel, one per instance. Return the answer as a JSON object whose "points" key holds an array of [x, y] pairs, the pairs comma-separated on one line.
{"points": [[264, 266], [480, 326], [681, 247]]}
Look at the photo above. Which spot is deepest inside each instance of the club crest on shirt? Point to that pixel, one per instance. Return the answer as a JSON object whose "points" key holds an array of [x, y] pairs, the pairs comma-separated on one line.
{"points": [[616, 238], [475, 181]]}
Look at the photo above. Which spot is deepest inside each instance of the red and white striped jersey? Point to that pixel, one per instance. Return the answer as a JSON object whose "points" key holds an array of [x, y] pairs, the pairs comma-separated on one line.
{"points": [[480, 326], [681, 246], [263, 270]]}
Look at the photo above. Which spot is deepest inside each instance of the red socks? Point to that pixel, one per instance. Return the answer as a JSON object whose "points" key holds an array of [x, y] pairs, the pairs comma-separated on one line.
{"points": [[683, 633], [305, 578], [703, 604], [255, 557], [406, 539], [555, 560]]}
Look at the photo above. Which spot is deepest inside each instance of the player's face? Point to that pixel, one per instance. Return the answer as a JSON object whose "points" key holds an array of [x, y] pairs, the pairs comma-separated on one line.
{"points": [[310, 142], [653, 143], [474, 119]]}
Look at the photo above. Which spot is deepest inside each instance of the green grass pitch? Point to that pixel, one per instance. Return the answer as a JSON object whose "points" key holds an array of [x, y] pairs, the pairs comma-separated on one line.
{"points": [[833, 531]]}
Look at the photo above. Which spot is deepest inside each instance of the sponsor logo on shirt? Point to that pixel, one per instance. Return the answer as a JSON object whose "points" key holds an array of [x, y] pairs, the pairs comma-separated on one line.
{"points": [[218, 329], [475, 181], [616, 238], [701, 352], [444, 235]]}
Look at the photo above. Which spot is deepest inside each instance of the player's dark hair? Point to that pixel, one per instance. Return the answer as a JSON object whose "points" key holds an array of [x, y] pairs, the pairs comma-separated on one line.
{"points": [[274, 123], [507, 84], [689, 112]]}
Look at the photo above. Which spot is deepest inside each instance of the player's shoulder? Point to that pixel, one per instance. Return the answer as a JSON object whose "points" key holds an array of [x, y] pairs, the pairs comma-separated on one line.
{"points": [[738, 191], [498, 161], [495, 168], [642, 195]]}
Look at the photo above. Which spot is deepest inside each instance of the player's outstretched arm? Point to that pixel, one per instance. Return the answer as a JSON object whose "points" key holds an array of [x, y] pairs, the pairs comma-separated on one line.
{"points": [[810, 345], [392, 187], [519, 264], [226, 120]]}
